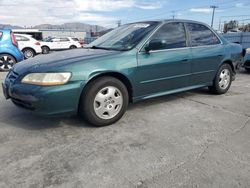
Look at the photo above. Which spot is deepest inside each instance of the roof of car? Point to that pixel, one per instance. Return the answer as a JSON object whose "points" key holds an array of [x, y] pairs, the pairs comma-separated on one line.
{"points": [[26, 35], [172, 20], [5, 30]]}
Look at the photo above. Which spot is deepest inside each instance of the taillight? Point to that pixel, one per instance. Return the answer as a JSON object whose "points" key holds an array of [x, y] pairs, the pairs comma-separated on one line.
{"points": [[37, 43], [13, 39]]}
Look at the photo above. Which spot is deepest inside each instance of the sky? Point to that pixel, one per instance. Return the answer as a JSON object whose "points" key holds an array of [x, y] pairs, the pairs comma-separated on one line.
{"points": [[107, 12]]}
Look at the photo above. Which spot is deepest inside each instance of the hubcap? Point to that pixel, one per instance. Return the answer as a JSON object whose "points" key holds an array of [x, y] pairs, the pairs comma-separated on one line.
{"points": [[6, 62], [224, 80], [28, 54], [108, 102]]}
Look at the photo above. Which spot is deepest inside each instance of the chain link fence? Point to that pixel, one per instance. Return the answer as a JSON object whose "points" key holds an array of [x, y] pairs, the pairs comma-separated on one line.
{"points": [[241, 38]]}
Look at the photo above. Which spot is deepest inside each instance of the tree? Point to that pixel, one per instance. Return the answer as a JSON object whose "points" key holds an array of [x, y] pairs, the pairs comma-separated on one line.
{"points": [[233, 24], [246, 28]]}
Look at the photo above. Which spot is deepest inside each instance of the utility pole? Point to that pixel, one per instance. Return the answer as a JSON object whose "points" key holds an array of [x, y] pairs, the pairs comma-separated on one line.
{"points": [[119, 22], [173, 16], [213, 7]]}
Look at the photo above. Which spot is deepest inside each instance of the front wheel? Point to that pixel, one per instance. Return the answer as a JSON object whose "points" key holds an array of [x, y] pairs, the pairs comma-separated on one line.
{"points": [[45, 49], [72, 47], [223, 80], [104, 101]]}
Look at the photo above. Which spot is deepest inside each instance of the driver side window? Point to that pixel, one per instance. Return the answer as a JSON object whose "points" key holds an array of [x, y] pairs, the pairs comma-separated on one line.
{"points": [[169, 36]]}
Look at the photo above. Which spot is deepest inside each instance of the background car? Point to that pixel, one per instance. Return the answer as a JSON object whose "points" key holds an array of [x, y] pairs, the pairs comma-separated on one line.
{"points": [[28, 45], [81, 41], [246, 63], [9, 52], [60, 44]]}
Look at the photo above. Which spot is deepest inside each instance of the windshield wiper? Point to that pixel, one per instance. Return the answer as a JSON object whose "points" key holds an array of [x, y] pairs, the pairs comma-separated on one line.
{"points": [[99, 47], [103, 48]]}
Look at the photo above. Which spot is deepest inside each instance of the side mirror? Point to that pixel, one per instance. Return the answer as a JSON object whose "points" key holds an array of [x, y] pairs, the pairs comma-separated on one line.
{"points": [[154, 44]]}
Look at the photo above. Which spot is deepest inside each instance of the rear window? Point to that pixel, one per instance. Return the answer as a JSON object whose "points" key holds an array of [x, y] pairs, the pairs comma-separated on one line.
{"points": [[201, 35], [64, 39], [21, 38]]}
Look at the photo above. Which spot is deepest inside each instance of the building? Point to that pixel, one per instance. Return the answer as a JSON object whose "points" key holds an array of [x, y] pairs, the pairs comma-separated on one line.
{"points": [[34, 32], [40, 34], [63, 33]]}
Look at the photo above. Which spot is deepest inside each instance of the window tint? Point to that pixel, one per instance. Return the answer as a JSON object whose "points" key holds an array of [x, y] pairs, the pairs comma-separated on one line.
{"points": [[171, 35], [75, 39], [21, 38], [1, 33], [201, 35], [64, 39]]}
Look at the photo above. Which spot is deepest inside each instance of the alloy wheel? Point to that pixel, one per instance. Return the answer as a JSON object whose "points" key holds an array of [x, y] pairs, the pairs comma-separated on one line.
{"points": [[6, 62], [28, 54]]}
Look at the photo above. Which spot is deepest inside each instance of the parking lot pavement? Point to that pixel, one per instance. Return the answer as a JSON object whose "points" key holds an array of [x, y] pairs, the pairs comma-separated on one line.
{"points": [[191, 139]]}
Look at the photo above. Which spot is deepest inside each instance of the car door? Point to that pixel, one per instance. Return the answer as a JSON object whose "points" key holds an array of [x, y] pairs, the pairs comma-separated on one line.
{"points": [[55, 44], [64, 43], [207, 53], [167, 67]]}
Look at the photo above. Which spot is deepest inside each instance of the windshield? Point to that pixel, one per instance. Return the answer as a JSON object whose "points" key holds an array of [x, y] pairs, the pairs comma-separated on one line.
{"points": [[124, 37], [48, 39]]}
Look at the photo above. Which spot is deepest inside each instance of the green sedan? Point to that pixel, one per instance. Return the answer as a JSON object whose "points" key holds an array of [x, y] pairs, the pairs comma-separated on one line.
{"points": [[133, 62]]}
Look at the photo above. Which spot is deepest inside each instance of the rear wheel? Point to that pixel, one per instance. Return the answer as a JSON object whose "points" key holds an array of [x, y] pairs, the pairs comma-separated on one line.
{"points": [[104, 101], [6, 62], [28, 53], [223, 80]]}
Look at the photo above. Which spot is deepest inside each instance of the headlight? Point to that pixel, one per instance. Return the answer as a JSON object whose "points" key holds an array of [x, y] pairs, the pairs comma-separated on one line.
{"points": [[248, 50], [46, 79]]}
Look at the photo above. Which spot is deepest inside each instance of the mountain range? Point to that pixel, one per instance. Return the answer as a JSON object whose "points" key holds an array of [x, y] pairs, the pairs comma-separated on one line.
{"points": [[73, 26]]}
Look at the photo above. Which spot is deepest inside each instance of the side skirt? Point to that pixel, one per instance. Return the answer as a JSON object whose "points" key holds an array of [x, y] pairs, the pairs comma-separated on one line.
{"points": [[137, 99]]}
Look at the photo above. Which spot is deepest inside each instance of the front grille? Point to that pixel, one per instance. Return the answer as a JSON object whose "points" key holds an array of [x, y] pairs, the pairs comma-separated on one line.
{"points": [[12, 76]]}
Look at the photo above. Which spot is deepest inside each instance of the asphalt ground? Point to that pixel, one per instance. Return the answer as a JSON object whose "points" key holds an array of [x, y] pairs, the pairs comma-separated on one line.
{"points": [[192, 139]]}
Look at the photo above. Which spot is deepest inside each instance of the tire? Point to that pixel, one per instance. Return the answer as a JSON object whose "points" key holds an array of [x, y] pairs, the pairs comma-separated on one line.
{"points": [[6, 62], [45, 49], [72, 47], [223, 80], [28, 53], [247, 69], [104, 101]]}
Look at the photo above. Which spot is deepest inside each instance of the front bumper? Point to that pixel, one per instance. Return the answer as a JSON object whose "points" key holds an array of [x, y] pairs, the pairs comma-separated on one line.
{"points": [[48, 100]]}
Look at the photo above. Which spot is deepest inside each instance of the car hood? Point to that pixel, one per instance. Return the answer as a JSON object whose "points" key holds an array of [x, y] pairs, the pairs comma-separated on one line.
{"points": [[54, 60]]}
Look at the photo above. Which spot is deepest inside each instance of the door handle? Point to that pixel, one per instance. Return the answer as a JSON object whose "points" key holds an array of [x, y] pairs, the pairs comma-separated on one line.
{"points": [[185, 60]]}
